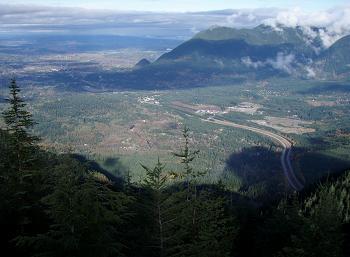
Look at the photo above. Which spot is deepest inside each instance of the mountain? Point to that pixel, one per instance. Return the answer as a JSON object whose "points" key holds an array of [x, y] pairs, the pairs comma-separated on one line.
{"points": [[262, 38], [224, 55], [229, 49], [260, 35], [142, 63], [336, 59], [259, 52]]}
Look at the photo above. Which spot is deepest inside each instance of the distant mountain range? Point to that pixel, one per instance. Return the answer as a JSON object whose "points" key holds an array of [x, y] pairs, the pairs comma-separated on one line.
{"points": [[222, 55]]}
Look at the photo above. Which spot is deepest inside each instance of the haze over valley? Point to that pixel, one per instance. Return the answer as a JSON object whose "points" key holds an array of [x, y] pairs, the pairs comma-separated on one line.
{"points": [[243, 112]]}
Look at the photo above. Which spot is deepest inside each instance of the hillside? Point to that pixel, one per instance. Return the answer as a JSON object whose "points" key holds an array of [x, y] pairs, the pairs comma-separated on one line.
{"points": [[230, 49], [259, 43], [217, 56], [336, 59], [221, 54]]}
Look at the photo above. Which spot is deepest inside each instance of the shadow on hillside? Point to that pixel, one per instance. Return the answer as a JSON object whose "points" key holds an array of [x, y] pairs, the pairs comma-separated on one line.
{"points": [[316, 166], [257, 165], [318, 142], [93, 165], [260, 172], [254, 165], [328, 88], [114, 166], [111, 162]]}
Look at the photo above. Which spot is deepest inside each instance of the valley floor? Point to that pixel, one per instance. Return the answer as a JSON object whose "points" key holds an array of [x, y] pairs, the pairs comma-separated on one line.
{"points": [[122, 129]]}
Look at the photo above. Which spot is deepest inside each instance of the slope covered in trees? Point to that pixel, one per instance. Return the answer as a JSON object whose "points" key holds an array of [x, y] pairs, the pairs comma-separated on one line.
{"points": [[53, 205]]}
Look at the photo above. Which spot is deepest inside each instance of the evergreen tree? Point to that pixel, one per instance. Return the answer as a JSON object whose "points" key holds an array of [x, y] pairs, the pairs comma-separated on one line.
{"points": [[187, 156], [317, 229], [85, 216], [189, 175], [160, 208], [216, 229], [155, 182], [188, 214], [324, 215], [18, 121], [282, 224], [21, 177], [206, 228]]}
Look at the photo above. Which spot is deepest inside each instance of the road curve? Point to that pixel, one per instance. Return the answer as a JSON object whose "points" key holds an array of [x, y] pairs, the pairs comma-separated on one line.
{"points": [[288, 170]]}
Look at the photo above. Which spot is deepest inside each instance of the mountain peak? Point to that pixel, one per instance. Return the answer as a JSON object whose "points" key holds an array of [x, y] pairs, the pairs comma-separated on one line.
{"points": [[142, 63]]}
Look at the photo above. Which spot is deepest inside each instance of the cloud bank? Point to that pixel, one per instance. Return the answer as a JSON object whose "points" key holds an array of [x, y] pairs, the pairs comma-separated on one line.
{"points": [[333, 23], [28, 19]]}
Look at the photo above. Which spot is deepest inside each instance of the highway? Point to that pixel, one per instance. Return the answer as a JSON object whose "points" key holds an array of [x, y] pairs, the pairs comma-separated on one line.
{"points": [[287, 145]]}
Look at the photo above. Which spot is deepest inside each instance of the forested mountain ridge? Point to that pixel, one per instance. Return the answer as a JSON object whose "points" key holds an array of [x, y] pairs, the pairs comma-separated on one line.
{"points": [[284, 39], [225, 55], [289, 51], [335, 59], [260, 35], [53, 205]]}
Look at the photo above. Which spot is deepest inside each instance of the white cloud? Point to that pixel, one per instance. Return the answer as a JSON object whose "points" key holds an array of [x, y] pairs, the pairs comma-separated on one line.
{"points": [[250, 18], [247, 61], [333, 24], [283, 62], [27, 18], [310, 72]]}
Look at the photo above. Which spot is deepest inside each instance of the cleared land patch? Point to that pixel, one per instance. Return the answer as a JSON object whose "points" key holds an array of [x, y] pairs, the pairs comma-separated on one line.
{"points": [[286, 125], [319, 103]]}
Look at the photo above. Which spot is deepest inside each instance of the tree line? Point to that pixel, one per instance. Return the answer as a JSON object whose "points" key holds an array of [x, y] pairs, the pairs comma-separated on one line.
{"points": [[54, 205]]}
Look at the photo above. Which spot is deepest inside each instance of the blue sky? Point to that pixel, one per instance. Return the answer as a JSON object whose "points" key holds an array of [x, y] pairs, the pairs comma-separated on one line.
{"points": [[184, 5]]}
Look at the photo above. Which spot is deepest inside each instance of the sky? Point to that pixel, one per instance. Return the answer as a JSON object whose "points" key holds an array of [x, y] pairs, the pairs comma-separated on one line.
{"points": [[179, 19], [184, 5]]}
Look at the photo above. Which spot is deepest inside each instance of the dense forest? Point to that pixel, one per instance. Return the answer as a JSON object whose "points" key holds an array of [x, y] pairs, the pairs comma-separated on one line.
{"points": [[58, 205]]}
